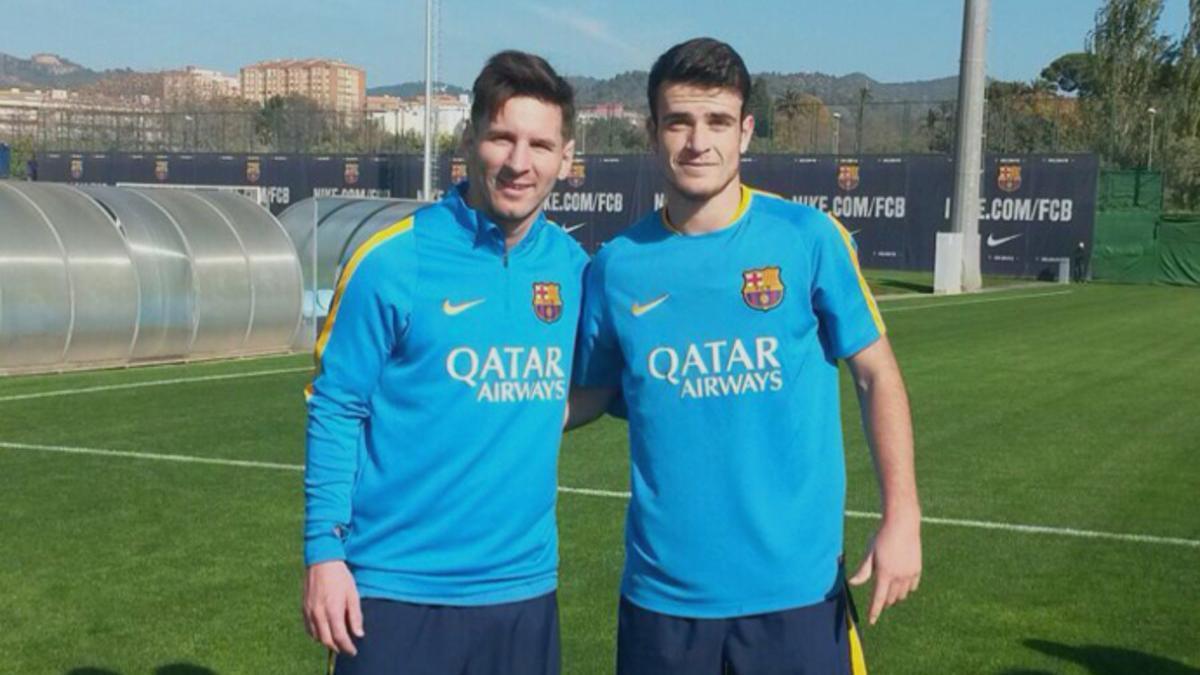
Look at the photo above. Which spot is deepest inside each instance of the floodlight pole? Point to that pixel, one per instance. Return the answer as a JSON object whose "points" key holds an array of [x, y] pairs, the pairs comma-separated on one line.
{"points": [[427, 172], [316, 287], [968, 156], [1153, 112]]}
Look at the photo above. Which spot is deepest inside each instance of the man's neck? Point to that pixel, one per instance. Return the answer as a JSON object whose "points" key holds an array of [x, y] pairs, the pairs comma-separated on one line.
{"points": [[514, 232], [689, 216]]}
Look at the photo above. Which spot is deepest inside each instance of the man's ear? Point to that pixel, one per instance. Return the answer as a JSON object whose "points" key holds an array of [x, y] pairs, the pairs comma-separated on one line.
{"points": [[568, 157], [747, 132]]}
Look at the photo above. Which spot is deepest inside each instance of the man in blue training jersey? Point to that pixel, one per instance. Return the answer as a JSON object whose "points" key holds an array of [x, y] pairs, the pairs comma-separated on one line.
{"points": [[435, 417], [721, 319]]}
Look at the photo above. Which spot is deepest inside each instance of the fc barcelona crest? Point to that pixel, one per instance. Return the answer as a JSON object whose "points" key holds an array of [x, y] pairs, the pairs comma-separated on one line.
{"points": [[578, 174], [350, 173], [253, 170], [162, 169], [458, 171], [847, 176], [762, 288], [76, 168], [1009, 177], [547, 301]]}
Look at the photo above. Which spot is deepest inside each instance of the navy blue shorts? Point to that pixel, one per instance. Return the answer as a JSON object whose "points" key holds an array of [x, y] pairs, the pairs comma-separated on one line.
{"points": [[816, 639], [515, 638]]}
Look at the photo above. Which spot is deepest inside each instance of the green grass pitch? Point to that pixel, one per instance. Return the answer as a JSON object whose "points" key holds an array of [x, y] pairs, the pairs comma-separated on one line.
{"points": [[1074, 408]]}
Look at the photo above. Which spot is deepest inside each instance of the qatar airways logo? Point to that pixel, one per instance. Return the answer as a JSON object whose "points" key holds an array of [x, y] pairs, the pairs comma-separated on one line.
{"points": [[510, 374], [719, 367]]}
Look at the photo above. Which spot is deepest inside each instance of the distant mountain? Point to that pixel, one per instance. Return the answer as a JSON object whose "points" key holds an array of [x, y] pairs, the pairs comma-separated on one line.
{"points": [[845, 89], [49, 71], [44, 71], [630, 88], [409, 89]]}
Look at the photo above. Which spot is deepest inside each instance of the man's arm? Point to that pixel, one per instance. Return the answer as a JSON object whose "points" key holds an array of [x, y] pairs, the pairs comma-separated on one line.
{"points": [[596, 373], [894, 552], [365, 321], [586, 404]]}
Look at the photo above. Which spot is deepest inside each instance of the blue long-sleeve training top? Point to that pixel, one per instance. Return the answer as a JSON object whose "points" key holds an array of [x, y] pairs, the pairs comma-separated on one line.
{"points": [[435, 416]]}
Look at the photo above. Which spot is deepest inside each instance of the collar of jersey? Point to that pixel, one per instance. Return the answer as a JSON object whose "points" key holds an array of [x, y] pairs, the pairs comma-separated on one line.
{"points": [[482, 230], [743, 206]]}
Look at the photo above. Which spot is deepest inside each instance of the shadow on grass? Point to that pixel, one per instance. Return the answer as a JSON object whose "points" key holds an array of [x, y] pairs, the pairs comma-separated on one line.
{"points": [[904, 285], [1100, 660], [167, 669]]}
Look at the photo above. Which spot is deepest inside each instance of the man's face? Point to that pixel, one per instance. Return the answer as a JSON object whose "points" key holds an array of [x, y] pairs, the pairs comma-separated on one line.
{"points": [[699, 137], [515, 159]]}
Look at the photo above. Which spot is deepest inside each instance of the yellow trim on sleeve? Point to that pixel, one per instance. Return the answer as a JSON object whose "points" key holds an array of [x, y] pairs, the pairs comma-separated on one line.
{"points": [[344, 279], [397, 228], [862, 281]]}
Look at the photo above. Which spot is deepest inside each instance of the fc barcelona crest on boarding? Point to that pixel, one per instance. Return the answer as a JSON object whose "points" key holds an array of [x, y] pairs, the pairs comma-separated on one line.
{"points": [[162, 169], [1008, 177], [547, 301], [458, 171], [762, 288], [578, 174], [253, 169], [350, 173], [847, 176]]}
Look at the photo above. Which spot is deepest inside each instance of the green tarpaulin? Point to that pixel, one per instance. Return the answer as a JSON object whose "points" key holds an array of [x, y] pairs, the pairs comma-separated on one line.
{"points": [[1139, 247], [1135, 242]]}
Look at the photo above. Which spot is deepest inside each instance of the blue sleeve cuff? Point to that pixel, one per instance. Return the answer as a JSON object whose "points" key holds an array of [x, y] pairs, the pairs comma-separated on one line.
{"points": [[323, 548]]}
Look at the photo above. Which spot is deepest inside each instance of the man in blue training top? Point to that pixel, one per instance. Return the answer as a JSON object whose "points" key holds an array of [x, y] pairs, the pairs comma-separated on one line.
{"points": [[721, 319], [435, 417]]}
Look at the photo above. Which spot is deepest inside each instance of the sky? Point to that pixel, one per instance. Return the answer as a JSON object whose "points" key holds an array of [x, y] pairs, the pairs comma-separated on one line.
{"points": [[889, 40]]}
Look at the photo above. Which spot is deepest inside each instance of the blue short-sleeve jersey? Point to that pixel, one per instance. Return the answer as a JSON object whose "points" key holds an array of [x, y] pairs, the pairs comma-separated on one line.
{"points": [[725, 348]]}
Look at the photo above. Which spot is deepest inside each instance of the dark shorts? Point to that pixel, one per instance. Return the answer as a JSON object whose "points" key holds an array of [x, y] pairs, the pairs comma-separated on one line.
{"points": [[815, 640], [516, 638]]}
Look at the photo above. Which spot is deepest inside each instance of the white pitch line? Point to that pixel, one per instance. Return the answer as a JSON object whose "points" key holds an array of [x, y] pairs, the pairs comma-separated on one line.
{"points": [[594, 493], [186, 459], [1028, 296], [150, 383], [612, 494]]}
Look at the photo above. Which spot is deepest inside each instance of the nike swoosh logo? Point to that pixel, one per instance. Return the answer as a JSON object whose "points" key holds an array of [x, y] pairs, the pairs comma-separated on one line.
{"points": [[639, 310], [452, 309], [572, 228], [854, 232], [992, 241]]}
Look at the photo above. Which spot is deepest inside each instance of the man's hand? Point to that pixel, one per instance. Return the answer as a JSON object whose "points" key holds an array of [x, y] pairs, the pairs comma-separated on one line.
{"points": [[331, 606], [894, 557]]}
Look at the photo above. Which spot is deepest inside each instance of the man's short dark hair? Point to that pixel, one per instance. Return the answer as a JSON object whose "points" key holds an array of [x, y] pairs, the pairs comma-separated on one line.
{"points": [[702, 62], [512, 73]]}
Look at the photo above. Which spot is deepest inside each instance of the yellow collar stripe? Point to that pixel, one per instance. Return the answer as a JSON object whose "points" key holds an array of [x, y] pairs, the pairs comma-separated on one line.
{"points": [[743, 205]]}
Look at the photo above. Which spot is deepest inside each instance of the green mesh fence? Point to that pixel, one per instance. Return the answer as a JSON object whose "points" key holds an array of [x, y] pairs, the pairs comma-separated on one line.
{"points": [[1134, 241], [1129, 189]]}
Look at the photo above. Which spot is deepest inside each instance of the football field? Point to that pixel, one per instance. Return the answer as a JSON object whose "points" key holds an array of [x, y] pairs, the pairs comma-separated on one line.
{"points": [[152, 516]]}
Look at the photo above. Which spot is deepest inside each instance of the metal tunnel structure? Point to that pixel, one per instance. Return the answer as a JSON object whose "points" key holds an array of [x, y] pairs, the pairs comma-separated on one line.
{"points": [[96, 276], [341, 225]]}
